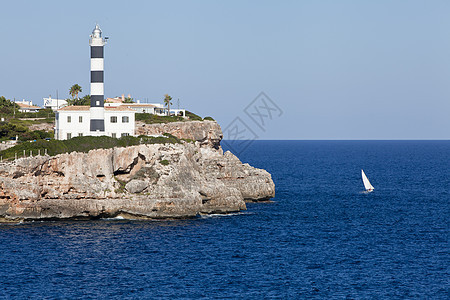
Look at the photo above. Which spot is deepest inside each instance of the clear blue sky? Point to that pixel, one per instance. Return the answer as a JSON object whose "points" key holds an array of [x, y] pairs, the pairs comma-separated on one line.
{"points": [[338, 69]]}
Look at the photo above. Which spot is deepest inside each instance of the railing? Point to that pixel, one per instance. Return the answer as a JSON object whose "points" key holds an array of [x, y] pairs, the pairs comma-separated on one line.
{"points": [[16, 156]]}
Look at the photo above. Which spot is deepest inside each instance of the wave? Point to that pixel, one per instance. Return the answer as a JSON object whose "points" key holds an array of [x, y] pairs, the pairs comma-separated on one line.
{"points": [[207, 216]]}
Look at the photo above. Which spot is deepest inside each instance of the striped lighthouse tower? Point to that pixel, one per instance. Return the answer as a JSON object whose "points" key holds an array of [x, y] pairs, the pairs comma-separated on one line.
{"points": [[97, 109]]}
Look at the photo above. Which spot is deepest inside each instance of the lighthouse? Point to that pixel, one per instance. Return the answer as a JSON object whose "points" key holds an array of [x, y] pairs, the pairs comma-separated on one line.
{"points": [[97, 110], [95, 119]]}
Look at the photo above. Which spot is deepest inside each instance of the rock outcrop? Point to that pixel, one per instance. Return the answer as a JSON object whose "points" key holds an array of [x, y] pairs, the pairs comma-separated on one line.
{"points": [[44, 126], [145, 181], [208, 133]]}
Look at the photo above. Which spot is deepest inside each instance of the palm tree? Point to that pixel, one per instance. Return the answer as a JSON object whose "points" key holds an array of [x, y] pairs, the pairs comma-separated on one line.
{"points": [[167, 102], [74, 90]]}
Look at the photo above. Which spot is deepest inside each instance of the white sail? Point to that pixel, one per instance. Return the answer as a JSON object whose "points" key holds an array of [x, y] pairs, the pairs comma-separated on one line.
{"points": [[366, 182]]}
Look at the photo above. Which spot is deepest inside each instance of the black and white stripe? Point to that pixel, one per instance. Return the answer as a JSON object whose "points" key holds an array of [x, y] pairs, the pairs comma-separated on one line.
{"points": [[97, 90]]}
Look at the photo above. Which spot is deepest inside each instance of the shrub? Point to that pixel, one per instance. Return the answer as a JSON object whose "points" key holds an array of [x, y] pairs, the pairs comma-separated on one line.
{"points": [[42, 113], [193, 117], [153, 119], [86, 100], [7, 106], [83, 144]]}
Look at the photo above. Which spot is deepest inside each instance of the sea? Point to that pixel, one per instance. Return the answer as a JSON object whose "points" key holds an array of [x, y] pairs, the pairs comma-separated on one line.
{"points": [[321, 237]]}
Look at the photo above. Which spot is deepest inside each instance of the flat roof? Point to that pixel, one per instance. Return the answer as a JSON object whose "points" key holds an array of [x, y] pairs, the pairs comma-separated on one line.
{"points": [[86, 108], [138, 105]]}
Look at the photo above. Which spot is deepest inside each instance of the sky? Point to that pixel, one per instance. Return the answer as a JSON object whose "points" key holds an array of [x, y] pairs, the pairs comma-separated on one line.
{"points": [[328, 69]]}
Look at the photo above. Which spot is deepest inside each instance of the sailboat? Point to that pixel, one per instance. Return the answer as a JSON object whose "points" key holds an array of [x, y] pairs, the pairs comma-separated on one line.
{"points": [[367, 185]]}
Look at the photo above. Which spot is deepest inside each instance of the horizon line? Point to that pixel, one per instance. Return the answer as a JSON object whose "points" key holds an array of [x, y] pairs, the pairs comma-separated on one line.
{"points": [[448, 139]]}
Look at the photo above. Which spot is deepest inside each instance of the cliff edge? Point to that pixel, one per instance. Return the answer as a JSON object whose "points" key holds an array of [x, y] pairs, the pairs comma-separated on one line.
{"points": [[143, 181], [207, 133]]}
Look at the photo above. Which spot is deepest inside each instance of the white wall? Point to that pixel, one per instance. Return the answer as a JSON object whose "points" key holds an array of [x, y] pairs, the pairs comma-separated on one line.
{"points": [[148, 110], [74, 127], [119, 127], [53, 103]]}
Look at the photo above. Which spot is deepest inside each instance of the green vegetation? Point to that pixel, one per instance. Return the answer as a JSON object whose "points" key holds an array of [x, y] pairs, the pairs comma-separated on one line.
{"points": [[193, 117], [29, 122], [42, 113], [128, 100], [7, 107], [208, 119], [16, 123], [84, 144], [164, 162], [10, 130], [154, 119], [121, 188], [167, 102], [74, 90], [146, 172], [86, 100]]}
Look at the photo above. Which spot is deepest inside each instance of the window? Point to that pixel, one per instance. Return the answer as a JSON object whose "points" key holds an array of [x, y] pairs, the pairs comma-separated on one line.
{"points": [[80, 134], [80, 119], [113, 135], [113, 119], [69, 119], [69, 135], [125, 119], [125, 134]]}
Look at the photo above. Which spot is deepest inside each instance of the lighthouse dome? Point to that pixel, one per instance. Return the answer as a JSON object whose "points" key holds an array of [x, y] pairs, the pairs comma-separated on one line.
{"points": [[97, 32]]}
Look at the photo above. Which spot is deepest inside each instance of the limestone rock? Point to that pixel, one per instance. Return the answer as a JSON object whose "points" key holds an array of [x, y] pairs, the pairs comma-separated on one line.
{"points": [[130, 182], [136, 186], [207, 133]]}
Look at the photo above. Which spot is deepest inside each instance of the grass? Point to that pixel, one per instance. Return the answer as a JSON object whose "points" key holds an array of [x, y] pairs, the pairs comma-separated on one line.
{"points": [[29, 122], [42, 113], [154, 119], [193, 117], [164, 162], [83, 144], [20, 127], [121, 188], [146, 172]]}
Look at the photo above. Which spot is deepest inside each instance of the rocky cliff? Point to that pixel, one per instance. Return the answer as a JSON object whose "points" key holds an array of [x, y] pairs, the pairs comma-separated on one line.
{"points": [[145, 181], [208, 133]]}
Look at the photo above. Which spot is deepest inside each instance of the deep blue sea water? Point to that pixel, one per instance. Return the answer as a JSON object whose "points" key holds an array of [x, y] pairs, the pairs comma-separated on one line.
{"points": [[320, 237]]}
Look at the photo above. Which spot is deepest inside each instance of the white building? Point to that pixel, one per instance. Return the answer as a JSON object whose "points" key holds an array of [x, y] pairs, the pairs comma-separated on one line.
{"points": [[142, 108], [54, 104], [27, 106], [154, 108], [72, 121], [149, 108]]}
